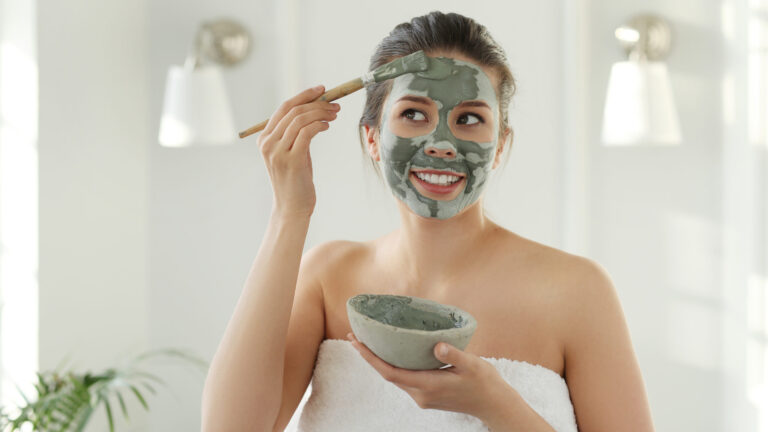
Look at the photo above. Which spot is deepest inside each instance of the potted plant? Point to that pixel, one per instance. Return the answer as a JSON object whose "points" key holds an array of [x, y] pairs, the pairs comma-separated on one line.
{"points": [[66, 400]]}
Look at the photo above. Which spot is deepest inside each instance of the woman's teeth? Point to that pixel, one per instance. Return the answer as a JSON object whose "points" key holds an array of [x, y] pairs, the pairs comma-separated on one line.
{"points": [[443, 179]]}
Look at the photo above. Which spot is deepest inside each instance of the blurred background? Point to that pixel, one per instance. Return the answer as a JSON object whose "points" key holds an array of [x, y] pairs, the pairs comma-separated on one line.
{"points": [[113, 244]]}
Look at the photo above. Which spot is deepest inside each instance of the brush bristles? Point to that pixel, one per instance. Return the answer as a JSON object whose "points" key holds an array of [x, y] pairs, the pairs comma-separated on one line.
{"points": [[415, 62]]}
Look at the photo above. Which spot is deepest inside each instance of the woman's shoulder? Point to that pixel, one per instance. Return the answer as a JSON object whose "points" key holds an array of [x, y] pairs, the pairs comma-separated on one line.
{"points": [[570, 269], [328, 255], [330, 248], [574, 285]]}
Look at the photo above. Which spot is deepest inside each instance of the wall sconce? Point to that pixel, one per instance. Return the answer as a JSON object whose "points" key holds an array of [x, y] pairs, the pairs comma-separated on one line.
{"points": [[639, 105], [196, 108]]}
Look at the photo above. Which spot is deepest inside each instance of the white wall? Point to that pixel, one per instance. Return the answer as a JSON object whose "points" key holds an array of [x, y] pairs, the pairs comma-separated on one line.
{"points": [[655, 217], [745, 216], [93, 186], [207, 206], [18, 200]]}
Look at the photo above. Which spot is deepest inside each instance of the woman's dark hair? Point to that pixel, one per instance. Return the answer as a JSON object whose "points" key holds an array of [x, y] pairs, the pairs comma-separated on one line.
{"points": [[437, 31]]}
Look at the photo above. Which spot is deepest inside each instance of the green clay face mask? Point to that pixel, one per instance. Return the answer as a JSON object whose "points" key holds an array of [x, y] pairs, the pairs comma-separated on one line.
{"points": [[443, 132]]}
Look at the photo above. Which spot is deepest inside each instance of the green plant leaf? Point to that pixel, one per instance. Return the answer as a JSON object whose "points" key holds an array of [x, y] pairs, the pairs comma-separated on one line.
{"points": [[66, 400], [82, 420], [149, 387], [141, 398], [122, 403], [109, 414], [172, 352], [146, 375], [21, 393]]}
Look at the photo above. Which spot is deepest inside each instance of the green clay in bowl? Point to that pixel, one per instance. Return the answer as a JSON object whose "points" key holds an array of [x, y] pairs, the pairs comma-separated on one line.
{"points": [[403, 330]]}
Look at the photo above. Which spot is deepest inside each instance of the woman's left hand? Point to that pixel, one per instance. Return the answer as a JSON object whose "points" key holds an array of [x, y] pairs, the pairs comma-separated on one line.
{"points": [[471, 385]]}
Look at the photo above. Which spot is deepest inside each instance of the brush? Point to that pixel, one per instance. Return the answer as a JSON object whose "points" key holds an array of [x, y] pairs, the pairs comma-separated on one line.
{"points": [[412, 63]]}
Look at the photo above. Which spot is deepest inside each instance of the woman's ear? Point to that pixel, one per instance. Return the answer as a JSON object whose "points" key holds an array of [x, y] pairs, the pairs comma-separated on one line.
{"points": [[372, 140], [507, 135]]}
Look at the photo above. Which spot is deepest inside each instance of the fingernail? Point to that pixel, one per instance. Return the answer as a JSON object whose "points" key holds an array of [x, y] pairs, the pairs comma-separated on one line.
{"points": [[335, 106], [318, 88], [349, 335]]}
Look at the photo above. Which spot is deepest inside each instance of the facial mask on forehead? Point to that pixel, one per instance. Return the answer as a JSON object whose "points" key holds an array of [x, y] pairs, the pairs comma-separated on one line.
{"points": [[399, 155]]}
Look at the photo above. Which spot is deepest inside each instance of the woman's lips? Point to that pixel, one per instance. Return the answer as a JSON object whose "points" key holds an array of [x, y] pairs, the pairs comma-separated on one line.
{"points": [[438, 172], [436, 189]]}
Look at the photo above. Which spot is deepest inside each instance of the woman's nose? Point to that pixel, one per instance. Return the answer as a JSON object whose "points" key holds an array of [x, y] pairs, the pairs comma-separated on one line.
{"points": [[438, 152]]}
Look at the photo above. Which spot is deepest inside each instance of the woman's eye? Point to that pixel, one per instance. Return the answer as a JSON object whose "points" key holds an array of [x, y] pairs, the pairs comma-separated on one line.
{"points": [[414, 115], [463, 119]]}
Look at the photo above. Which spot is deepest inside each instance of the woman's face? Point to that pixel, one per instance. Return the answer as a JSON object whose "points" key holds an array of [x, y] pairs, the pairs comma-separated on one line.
{"points": [[439, 137]]}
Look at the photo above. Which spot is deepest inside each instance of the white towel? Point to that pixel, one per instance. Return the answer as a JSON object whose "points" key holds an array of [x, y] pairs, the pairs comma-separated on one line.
{"points": [[349, 395]]}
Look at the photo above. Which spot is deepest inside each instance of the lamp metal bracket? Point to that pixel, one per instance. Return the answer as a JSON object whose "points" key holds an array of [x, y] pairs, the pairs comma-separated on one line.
{"points": [[645, 37]]}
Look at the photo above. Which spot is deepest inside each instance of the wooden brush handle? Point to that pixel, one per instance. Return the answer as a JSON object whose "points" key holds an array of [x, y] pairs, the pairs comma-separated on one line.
{"points": [[331, 95], [342, 90]]}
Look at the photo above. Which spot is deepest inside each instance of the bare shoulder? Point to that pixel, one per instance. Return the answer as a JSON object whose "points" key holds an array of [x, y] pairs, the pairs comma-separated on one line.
{"points": [[576, 285], [328, 257], [332, 249], [584, 287], [561, 267], [601, 368]]}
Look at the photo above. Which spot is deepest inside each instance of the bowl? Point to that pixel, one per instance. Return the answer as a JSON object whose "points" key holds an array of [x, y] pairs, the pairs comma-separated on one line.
{"points": [[403, 330]]}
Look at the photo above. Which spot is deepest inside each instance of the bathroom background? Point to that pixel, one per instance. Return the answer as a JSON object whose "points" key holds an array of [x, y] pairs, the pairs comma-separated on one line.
{"points": [[113, 244]]}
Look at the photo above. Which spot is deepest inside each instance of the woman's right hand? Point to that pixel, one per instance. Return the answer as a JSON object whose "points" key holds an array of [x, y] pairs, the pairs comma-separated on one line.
{"points": [[284, 144]]}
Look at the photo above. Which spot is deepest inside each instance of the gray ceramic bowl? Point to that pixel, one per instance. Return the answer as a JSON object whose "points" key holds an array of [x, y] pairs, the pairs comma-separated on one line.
{"points": [[403, 330]]}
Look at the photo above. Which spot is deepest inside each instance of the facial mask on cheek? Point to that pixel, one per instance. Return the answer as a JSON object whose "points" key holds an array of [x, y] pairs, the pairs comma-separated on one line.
{"points": [[475, 159]]}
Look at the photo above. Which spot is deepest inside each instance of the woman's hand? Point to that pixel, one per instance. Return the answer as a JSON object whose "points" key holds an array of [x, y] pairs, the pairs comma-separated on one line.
{"points": [[284, 144], [470, 386]]}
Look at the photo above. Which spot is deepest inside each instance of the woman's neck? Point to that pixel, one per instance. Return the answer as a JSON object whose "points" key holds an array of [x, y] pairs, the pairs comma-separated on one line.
{"points": [[429, 252]]}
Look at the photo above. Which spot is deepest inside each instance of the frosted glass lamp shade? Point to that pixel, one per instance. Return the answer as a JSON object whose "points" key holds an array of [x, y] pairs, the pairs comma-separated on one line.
{"points": [[196, 108], [639, 105]]}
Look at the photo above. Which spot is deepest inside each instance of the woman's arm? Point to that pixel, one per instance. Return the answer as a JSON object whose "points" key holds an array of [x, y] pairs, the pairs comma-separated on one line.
{"points": [[511, 413], [601, 369], [244, 384], [243, 389]]}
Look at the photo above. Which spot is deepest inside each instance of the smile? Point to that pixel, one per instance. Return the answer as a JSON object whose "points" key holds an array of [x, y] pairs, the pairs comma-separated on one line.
{"points": [[436, 181]]}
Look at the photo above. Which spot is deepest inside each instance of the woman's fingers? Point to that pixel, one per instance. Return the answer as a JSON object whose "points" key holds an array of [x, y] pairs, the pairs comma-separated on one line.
{"points": [[279, 131], [300, 122], [307, 95], [301, 144], [276, 141], [288, 133]]}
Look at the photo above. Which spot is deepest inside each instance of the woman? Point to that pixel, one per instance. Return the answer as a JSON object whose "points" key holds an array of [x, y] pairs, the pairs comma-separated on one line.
{"points": [[549, 323]]}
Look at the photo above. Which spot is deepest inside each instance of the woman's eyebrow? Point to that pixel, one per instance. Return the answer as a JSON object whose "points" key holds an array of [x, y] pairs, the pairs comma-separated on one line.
{"points": [[475, 104], [425, 101], [417, 99]]}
